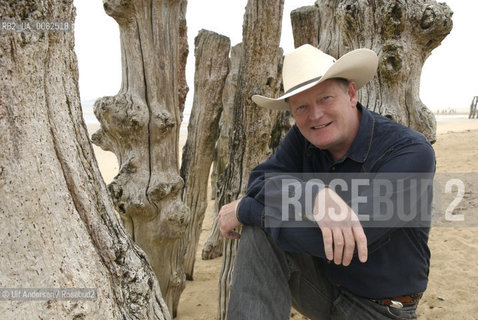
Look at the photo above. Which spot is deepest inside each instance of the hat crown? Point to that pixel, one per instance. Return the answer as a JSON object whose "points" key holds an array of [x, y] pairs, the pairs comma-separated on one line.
{"points": [[303, 65], [308, 66]]}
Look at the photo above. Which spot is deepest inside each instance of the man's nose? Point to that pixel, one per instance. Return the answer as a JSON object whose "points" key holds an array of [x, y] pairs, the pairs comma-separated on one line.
{"points": [[316, 112]]}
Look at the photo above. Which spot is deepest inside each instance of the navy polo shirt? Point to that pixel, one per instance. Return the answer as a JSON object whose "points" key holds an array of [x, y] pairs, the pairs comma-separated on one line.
{"points": [[399, 257]]}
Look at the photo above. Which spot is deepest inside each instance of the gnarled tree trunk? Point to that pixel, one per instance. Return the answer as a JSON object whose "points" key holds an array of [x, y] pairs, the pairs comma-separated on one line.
{"points": [[249, 141], [403, 33], [141, 126], [212, 64], [220, 152], [58, 225], [213, 245]]}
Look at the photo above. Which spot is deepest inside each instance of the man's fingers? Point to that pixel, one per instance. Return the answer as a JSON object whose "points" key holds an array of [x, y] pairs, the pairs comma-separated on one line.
{"points": [[227, 221], [361, 240], [348, 247], [341, 233], [232, 235], [327, 237], [229, 234], [338, 245]]}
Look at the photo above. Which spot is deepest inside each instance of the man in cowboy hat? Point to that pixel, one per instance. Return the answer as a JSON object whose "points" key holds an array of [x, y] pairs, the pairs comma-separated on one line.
{"points": [[337, 269]]}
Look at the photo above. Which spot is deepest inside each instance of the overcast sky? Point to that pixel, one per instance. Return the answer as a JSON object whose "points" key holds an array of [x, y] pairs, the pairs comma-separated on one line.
{"points": [[448, 76]]}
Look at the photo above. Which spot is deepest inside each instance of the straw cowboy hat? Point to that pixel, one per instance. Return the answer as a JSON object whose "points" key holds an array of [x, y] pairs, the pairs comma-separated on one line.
{"points": [[307, 66]]}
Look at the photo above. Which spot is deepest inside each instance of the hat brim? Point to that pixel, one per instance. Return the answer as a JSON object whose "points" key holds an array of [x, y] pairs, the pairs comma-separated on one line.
{"points": [[359, 66]]}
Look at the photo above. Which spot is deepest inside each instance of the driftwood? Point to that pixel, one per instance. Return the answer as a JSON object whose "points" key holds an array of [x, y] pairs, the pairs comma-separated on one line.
{"points": [[249, 141], [141, 126], [403, 33], [213, 245], [305, 26], [58, 225], [212, 63]]}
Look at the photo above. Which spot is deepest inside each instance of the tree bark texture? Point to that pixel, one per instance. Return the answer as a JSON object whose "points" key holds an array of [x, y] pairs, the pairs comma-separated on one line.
{"points": [[214, 244], [402, 33], [251, 125], [212, 64], [141, 126], [58, 225]]}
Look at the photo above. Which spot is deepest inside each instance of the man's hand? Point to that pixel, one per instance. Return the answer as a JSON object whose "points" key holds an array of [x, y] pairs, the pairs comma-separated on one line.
{"points": [[227, 221], [340, 226]]}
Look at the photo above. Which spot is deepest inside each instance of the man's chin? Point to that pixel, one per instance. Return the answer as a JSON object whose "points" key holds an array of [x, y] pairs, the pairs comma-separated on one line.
{"points": [[320, 146]]}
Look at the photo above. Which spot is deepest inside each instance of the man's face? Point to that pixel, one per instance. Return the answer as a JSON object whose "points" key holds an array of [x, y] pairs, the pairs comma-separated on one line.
{"points": [[327, 116]]}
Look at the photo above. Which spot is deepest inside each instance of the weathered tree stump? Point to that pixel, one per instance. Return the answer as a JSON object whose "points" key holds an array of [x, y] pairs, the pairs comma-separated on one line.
{"points": [[58, 225], [305, 26], [214, 244], [403, 33], [249, 141], [212, 64], [141, 126]]}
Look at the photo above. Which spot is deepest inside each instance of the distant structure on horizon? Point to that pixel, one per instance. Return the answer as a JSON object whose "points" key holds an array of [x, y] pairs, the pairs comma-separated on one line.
{"points": [[473, 112], [447, 111]]}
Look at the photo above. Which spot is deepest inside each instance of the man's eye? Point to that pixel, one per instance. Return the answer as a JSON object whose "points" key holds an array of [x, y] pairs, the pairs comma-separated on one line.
{"points": [[325, 100], [300, 108]]}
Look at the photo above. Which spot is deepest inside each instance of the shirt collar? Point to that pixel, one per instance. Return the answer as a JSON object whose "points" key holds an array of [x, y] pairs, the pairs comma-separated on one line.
{"points": [[360, 148]]}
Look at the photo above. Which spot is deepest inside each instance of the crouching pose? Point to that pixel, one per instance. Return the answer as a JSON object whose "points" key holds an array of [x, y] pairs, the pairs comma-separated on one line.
{"points": [[370, 263]]}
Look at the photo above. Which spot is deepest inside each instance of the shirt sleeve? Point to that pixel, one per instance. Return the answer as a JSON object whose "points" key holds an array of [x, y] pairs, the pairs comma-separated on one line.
{"points": [[285, 159], [410, 159], [411, 156]]}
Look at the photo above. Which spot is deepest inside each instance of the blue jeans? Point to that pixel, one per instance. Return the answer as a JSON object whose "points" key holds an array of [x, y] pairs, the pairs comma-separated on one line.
{"points": [[268, 280]]}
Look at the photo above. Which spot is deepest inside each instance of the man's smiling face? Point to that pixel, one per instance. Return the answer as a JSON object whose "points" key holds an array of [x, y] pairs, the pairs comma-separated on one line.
{"points": [[327, 115]]}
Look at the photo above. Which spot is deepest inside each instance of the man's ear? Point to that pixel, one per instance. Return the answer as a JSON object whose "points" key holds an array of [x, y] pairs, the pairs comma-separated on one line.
{"points": [[352, 91]]}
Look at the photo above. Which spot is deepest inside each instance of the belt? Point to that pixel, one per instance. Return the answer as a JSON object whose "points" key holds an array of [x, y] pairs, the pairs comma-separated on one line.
{"points": [[399, 302]]}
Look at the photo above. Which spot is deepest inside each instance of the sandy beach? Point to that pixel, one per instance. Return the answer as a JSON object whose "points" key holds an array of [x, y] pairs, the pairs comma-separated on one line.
{"points": [[453, 274]]}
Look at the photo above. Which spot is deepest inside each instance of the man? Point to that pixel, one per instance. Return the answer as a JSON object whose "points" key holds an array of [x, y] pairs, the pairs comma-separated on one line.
{"points": [[340, 268]]}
